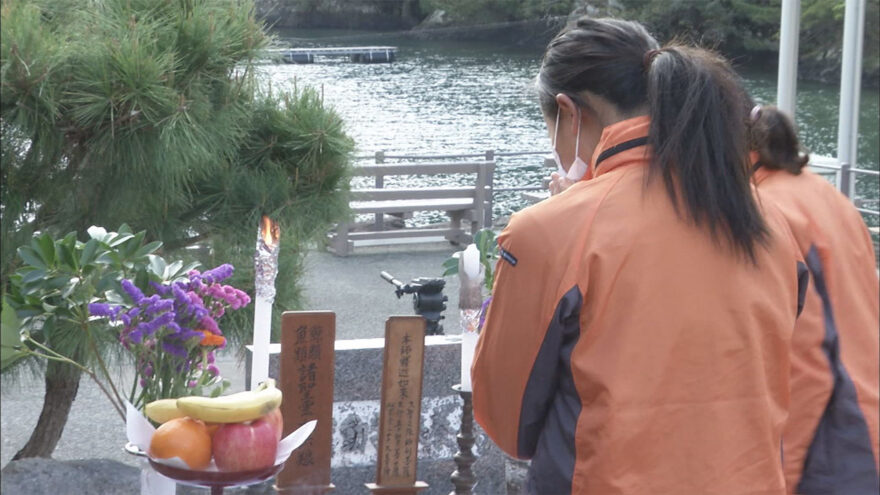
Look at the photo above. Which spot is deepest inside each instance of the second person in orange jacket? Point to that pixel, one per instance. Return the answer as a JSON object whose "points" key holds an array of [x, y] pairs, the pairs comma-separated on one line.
{"points": [[831, 437]]}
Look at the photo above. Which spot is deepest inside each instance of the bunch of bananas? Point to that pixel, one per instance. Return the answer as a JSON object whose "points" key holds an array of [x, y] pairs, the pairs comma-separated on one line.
{"points": [[234, 408]]}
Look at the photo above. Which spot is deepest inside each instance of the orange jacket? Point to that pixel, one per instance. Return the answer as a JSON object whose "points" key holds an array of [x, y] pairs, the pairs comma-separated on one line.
{"points": [[626, 352], [831, 439]]}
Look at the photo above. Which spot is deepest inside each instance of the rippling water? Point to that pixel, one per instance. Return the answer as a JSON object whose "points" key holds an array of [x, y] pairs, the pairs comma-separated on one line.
{"points": [[456, 97]]}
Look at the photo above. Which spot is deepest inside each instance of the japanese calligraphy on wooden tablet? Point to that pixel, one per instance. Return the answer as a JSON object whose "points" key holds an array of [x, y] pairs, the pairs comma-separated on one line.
{"points": [[400, 409], [306, 380]]}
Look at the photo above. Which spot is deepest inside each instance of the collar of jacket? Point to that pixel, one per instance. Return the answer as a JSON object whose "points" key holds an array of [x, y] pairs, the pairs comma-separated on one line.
{"points": [[615, 134]]}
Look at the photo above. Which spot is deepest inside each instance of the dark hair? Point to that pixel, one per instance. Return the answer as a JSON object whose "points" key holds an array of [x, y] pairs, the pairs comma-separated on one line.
{"points": [[773, 137], [698, 122]]}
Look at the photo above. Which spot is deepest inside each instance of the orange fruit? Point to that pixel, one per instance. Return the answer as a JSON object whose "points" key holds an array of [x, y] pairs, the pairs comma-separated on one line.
{"points": [[186, 438]]}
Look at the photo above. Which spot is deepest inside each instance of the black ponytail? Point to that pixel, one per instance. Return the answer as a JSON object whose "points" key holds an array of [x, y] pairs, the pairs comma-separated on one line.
{"points": [[773, 137], [700, 145], [698, 121]]}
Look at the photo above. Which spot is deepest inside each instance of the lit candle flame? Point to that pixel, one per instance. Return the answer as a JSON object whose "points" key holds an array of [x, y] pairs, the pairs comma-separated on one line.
{"points": [[270, 232]]}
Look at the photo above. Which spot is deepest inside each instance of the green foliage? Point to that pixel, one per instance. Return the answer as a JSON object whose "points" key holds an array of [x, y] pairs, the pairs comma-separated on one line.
{"points": [[489, 11], [45, 313], [49, 294], [149, 112], [751, 27], [487, 244], [10, 340]]}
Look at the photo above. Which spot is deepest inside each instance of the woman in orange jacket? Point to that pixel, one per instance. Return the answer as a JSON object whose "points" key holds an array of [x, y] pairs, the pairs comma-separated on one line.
{"points": [[831, 438], [639, 335]]}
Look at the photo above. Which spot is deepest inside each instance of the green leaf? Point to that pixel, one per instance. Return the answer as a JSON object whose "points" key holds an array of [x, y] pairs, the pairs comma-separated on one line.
{"points": [[450, 267], [113, 297], [57, 282], [33, 276], [131, 246], [71, 286], [29, 256], [66, 257], [157, 266], [148, 249], [10, 339], [181, 271], [172, 269], [88, 254], [108, 258], [141, 279], [108, 282], [119, 239], [46, 248]]}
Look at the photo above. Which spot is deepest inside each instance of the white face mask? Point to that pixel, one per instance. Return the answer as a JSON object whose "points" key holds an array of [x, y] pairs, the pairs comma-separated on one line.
{"points": [[577, 169]]}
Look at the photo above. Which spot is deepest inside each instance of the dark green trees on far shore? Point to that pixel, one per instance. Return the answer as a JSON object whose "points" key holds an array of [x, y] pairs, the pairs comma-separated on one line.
{"points": [[153, 113]]}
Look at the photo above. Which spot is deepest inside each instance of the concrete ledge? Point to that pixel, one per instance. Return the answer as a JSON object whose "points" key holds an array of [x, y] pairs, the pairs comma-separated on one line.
{"points": [[357, 388]]}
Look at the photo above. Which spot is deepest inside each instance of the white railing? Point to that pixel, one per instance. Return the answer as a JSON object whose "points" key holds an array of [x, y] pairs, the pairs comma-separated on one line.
{"points": [[844, 174], [844, 178]]}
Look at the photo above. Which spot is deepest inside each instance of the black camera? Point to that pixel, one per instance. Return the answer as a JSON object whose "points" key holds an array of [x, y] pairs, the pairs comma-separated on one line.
{"points": [[428, 299]]}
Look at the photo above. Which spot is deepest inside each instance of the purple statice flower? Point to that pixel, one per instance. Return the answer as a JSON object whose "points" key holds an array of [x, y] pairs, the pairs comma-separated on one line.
{"points": [[126, 320], [213, 370], [180, 296], [209, 324], [217, 311], [218, 274], [214, 291], [162, 320], [103, 309], [173, 327], [132, 291], [160, 289], [192, 384], [136, 336], [195, 298], [157, 305], [174, 349], [483, 310], [211, 357], [142, 382], [148, 370]]}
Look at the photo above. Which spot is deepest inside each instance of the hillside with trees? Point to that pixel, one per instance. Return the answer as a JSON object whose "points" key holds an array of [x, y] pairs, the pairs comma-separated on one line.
{"points": [[746, 29]]}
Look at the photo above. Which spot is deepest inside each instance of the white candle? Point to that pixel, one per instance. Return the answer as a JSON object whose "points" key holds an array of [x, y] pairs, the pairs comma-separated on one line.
{"points": [[469, 302], [468, 346], [266, 268], [262, 336]]}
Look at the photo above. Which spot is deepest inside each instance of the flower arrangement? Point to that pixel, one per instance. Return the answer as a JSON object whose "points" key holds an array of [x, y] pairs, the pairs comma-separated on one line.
{"points": [[172, 333]]}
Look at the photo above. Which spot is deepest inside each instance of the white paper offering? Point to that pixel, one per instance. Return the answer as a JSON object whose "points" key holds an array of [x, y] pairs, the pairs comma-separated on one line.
{"points": [[294, 441], [138, 429]]}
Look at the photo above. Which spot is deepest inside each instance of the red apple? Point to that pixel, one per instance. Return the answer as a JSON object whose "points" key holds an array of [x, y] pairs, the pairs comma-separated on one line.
{"points": [[245, 446], [277, 421]]}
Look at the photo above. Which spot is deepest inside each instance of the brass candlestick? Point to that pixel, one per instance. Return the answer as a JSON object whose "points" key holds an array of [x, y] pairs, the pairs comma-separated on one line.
{"points": [[463, 477]]}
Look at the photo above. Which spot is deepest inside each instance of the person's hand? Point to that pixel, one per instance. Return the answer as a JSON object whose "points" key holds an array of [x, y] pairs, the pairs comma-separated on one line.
{"points": [[558, 183]]}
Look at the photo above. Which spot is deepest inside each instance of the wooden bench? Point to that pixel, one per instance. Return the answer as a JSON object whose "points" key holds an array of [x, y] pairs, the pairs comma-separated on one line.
{"points": [[470, 198]]}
